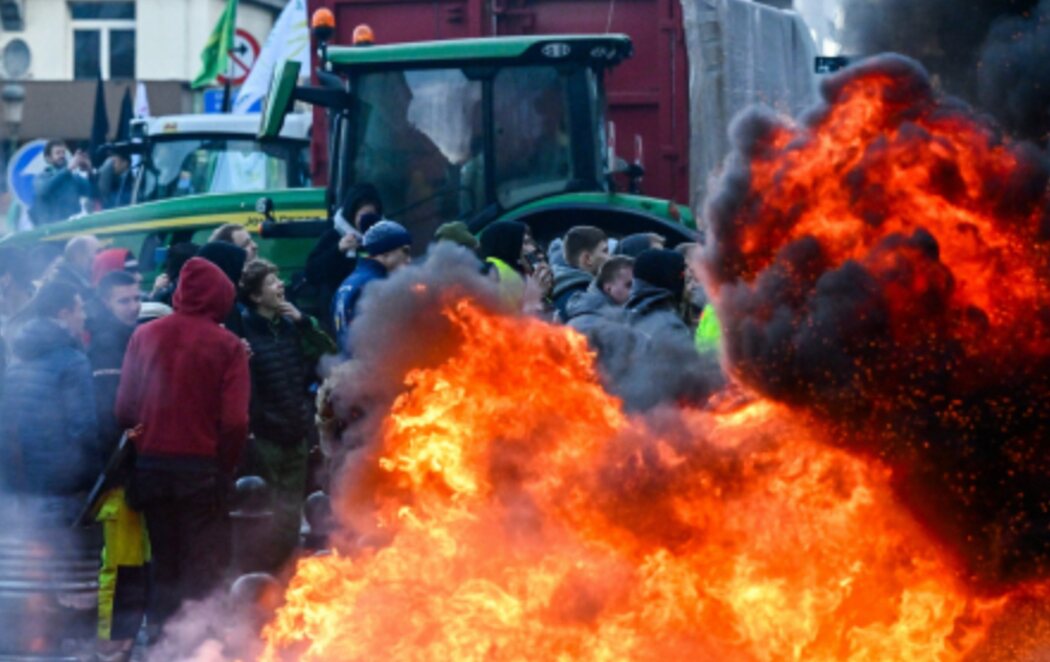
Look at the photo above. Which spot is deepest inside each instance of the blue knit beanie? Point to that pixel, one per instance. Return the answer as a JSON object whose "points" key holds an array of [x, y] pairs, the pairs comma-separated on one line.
{"points": [[385, 236]]}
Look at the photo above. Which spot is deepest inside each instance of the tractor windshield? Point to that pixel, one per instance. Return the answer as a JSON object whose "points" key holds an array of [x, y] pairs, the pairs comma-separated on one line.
{"points": [[189, 165], [531, 114], [419, 140], [420, 136]]}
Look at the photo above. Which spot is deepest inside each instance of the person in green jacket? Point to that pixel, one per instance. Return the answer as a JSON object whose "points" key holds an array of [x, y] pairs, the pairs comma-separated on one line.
{"points": [[525, 278], [708, 331]]}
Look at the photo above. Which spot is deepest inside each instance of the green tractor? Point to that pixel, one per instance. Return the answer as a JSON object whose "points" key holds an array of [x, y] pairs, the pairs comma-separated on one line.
{"points": [[477, 130], [194, 173]]}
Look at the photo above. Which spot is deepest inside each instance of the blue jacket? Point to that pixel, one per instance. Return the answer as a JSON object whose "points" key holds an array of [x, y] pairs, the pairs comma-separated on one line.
{"points": [[344, 305], [49, 440], [57, 194]]}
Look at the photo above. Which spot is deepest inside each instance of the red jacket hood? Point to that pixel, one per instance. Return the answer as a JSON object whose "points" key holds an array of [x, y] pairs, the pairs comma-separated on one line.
{"points": [[204, 291], [109, 260]]}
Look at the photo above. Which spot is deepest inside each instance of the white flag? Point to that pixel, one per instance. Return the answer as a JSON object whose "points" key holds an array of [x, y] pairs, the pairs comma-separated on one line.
{"points": [[141, 101], [289, 40]]}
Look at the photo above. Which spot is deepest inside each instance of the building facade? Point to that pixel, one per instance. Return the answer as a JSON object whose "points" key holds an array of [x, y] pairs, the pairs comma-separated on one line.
{"points": [[57, 49]]}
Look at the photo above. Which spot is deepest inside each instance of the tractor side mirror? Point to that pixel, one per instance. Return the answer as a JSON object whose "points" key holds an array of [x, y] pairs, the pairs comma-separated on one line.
{"points": [[264, 206]]}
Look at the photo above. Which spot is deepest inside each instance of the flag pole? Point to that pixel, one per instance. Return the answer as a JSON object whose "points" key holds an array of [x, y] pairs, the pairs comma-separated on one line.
{"points": [[227, 86]]}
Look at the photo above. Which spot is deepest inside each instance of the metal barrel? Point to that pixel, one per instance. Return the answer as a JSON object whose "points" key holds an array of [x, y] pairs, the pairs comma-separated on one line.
{"points": [[48, 583]]}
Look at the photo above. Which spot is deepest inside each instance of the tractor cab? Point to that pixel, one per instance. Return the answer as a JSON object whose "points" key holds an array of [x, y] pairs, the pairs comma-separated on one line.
{"points": [[475, 130], [183, 155]]}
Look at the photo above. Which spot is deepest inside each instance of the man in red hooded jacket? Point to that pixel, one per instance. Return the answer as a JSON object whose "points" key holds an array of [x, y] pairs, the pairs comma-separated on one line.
{"points": [[185, 381]]}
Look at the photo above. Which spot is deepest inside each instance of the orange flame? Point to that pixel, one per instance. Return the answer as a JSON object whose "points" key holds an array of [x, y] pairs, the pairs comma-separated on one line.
{"points": [[884, 264], [885, 161], [515, 512]]}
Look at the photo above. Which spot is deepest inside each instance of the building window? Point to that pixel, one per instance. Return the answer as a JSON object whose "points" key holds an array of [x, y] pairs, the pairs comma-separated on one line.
{"points": [[103, 39], [86, 45], [121, 53]]}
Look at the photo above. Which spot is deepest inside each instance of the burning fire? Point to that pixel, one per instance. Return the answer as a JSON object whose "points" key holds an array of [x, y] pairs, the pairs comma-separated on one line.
{"points": [[887, 158], [884, 264], [881, 275], [505, 528]]}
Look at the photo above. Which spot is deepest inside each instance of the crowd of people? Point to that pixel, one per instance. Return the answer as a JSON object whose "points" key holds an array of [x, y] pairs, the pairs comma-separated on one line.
{"points": [[213, 374], [580, 277]]}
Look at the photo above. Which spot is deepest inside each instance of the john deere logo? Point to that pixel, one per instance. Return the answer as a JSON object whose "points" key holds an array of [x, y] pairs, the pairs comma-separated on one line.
{"points": [[556, 50]]}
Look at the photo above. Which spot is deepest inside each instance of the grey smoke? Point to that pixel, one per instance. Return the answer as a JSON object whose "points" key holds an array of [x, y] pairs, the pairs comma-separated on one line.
{"points": [[648, 371], [216, 629], [401, 326], [990, 52]]}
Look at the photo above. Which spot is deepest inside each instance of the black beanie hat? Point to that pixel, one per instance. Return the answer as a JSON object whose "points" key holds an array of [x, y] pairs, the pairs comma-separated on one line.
{"points": [[661, 268], [633, 245], [503, 240], [359, 196], [227, 257], [178, 255]]}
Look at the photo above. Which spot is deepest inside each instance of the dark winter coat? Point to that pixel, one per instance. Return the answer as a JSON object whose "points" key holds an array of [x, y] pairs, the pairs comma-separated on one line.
{"points": [[108, 342], [280, 409], [178, 255], [114, 190], [568, 281], [344, 305], [592, 308], [185, 378], [165, 294], [65, 273], [49, 425], [556, 254], [57, 193], [327, 266], [653, 311]]}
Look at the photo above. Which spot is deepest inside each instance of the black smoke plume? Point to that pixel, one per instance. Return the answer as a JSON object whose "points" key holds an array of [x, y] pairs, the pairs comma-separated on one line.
{"points": [[1014, 75], [880, 342], [990, 52]]}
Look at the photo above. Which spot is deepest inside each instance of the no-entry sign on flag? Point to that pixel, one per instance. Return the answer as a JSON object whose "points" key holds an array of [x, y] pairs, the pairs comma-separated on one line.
{"points": [[243, 55]]}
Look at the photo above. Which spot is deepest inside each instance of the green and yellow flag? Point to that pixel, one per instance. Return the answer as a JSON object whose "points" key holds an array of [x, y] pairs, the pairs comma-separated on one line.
{"points": [[216, 51]]}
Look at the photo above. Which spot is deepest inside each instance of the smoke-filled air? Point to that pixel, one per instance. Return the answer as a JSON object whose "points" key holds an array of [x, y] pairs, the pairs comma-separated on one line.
{"points": [[869, 485], [994, 53]]}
